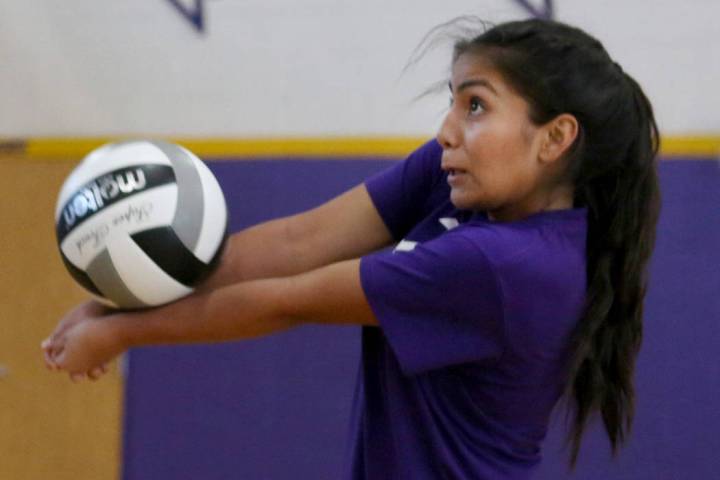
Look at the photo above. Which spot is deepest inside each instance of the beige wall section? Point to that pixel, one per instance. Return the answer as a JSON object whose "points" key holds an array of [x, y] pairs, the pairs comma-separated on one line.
{"points": [[50, 428]]}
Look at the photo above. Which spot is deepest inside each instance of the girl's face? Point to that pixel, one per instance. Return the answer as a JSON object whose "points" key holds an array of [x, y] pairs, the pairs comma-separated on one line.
{"points": [[490, 147]]}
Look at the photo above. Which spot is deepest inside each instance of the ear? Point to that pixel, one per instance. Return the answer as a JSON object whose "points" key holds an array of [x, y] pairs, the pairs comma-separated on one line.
{"points": [[560, 133]]}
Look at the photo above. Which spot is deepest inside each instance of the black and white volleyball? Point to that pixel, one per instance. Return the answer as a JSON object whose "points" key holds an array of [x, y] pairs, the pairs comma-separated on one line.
{"points": [[140, 223]]}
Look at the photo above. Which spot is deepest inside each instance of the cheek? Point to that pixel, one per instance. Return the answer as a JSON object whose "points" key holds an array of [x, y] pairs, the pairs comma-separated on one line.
{"points": [[501, 158], [497, 136], [496, 149], [515, 142]]}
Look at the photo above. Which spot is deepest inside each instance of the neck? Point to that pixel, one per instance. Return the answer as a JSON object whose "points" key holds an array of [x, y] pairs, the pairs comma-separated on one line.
{"points": [[561, 198]]}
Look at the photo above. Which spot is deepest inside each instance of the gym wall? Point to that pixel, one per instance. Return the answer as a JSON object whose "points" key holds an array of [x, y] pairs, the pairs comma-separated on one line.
{"points": [[291, 103], [309, 68]]}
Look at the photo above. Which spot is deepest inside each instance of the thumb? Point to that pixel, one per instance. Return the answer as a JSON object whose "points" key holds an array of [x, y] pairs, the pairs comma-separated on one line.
{"points": [[59, 358]]}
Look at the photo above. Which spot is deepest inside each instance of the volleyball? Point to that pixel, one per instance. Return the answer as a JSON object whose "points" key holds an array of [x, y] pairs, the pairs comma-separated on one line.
{"points": [[140, 223]]}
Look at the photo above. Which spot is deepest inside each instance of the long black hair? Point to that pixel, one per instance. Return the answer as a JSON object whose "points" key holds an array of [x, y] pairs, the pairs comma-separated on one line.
{"points": [[559, 69]]}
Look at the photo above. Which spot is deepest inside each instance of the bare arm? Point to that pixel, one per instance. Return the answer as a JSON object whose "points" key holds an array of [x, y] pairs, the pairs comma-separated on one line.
{"points": [[346, 227], [330, 294], [343, 228]]}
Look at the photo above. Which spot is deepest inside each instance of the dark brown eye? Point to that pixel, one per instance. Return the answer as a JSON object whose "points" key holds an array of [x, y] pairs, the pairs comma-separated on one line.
{"points": [[476, 106]]}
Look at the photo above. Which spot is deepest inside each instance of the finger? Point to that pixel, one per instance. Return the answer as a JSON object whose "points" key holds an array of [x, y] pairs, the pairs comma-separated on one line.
{"points": [[56, 353], [56, 349], [45, 346], [77, 377], [95, 373], [52, 357], [57, 335], [59, 360], [49, 361]]}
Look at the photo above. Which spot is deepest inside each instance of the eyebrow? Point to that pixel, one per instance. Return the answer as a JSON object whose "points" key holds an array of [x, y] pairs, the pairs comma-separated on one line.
{"points": [[474, 82]]}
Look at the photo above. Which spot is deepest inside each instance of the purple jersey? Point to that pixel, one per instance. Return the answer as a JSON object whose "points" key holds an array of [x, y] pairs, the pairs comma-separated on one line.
{"points": [[475, 321]]}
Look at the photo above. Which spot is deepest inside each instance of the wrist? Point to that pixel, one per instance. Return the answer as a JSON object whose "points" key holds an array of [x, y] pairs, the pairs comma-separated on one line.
{"points": [[119, 332]]}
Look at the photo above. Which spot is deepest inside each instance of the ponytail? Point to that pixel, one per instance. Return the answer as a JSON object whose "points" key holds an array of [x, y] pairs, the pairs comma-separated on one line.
{"points": [[623, 209]]}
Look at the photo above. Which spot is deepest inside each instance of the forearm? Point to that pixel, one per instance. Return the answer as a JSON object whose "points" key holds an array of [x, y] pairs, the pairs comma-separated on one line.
{"points": [[90, 337], [265, 250], [239, 311], [347, 227]]}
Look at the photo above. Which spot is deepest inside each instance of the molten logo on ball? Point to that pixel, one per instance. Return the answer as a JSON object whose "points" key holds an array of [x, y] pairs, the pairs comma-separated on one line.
{"points": [[106, 188], [110, 188]]}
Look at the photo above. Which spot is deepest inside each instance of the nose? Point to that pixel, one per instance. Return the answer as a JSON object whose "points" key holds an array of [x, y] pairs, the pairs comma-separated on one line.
{"points": [[448, 136]]}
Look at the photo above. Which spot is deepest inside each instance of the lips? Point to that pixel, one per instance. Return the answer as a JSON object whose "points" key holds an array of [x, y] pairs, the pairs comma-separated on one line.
{"points": [[455, 175], [453, 169]]}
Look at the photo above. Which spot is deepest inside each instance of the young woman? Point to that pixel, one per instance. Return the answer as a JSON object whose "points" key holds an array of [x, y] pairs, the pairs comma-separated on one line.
{"points": [[522, 237]]}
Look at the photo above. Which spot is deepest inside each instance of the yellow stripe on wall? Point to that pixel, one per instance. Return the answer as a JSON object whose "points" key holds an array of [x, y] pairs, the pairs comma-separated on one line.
{"points": [[330, 147], [701, 146], [234, 148]]}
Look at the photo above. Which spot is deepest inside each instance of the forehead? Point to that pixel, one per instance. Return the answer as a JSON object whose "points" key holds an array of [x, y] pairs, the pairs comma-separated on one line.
{"points": [[475, 67]]}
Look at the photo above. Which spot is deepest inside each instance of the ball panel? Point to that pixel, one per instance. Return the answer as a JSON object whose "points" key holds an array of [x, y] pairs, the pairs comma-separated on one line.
{"points": [[141, 275], [103, 273], [164, 247], [187, 222], [80, 276], [108, 158], [214, 218], [148, 209]]}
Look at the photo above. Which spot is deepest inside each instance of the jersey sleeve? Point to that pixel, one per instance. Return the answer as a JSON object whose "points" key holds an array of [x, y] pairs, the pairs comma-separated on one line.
{"points": [[401, 191], [438, 305]]}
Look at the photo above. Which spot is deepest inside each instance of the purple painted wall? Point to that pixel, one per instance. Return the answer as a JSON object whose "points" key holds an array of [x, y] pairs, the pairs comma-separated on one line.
{"points": [[278, 408]]}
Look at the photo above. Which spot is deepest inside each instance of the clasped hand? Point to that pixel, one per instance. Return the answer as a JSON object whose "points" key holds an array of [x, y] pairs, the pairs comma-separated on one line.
{"points": [[83, 342]]}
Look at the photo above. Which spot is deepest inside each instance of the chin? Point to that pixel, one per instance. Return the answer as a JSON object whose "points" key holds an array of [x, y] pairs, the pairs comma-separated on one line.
{"points": [[462, 202]]}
